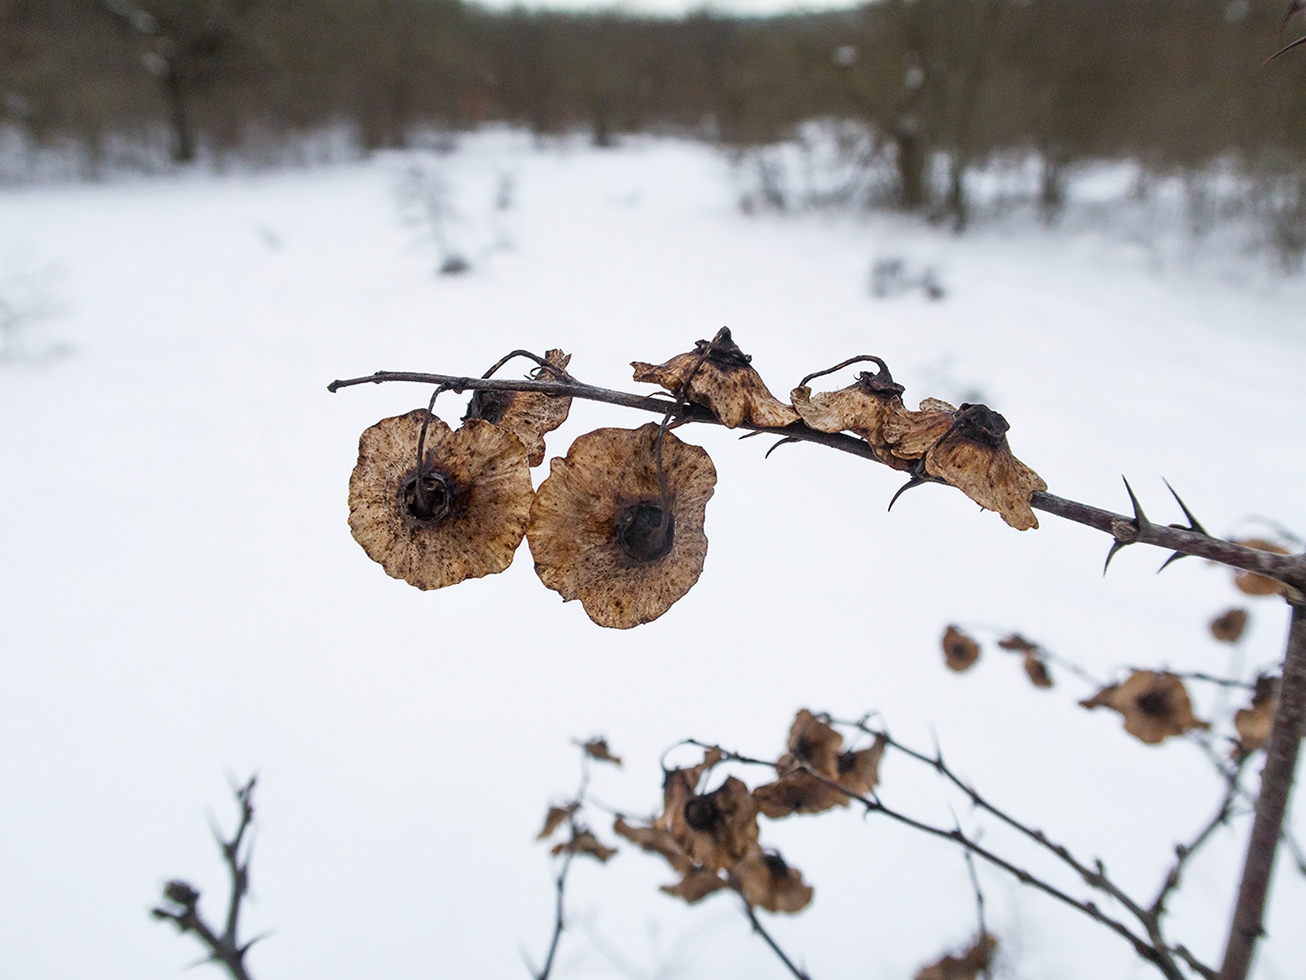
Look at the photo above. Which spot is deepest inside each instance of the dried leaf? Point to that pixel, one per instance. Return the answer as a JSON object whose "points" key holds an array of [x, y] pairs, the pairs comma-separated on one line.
{"points": [[766, 881], [960, 652], [1228, 627], [696, 885], [1254, 723], [967, 966], [1155, 706], [478, 491], [655, 840], [584, 842], [721, 378], [597, 748], [596, 525], [974, 457], [554, 819], [1249, 583], [528, 415]]}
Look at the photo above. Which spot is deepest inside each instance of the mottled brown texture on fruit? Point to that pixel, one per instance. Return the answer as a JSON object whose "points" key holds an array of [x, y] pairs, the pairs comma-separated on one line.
{"points": [[967, 966], [960, 652], [1155, 706], [766, 881], [851, 409], [655, 840], [696, 885], [723, 381], [910, 435], [974, 457], [574, 530], [528, 415], [714, 829], [489, 498], [1254, 723], [1229, 626]]}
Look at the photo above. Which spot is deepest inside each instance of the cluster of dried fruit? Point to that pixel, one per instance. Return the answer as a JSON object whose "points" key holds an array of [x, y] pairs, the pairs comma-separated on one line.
{"points": [[711, 838], [618, 522], [961, 652]]}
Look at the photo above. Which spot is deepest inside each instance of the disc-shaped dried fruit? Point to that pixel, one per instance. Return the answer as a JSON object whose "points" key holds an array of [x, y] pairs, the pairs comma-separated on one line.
{"points": [[859, 772], [1155, 706], [696, 885], [466, 519], [910, 435], [967, 966], [718, 375], [1249, 583], [1228, 627], [766, 881], [601, 532], [974, 457], [812, 742], [526, 414], [1254, 723], [715, 829], [655, 840], [960, 652], [1036, 669], [863, 407], [798, 792]]}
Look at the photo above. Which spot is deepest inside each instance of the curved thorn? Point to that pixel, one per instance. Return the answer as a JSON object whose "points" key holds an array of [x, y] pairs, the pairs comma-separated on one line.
{"points": [[915, 481], [749, 435], [1284, 50], [1193, 523], [1115, 546], [778, 445], [883, 372], [1170, 561], [1140, 519]]}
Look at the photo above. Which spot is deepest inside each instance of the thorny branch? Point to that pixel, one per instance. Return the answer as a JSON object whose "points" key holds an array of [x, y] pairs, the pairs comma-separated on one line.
{"points": [[798, 973], [183, 899]]}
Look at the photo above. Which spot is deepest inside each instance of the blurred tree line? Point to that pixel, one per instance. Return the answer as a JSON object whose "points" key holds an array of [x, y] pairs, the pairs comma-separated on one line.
{"points": [[1174, 83]]}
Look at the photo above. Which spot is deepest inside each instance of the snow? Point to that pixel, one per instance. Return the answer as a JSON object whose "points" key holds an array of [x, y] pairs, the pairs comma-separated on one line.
{"points": [[182, 602]]}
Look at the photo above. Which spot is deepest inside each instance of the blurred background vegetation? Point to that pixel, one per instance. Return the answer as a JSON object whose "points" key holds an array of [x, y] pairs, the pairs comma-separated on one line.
{"points": [[936, 87]]}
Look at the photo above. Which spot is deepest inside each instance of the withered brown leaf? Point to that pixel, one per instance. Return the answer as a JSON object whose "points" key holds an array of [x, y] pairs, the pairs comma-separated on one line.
{"points": [[720, 377], [1155, 706], [597, 525], [960, 652], [477, 493]]}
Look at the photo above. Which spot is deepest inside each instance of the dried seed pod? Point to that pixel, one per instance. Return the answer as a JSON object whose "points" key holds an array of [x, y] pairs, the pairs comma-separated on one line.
{"points": [[859, 772], [766, 881], [814, 742], [655, 840], [967, 966], [1036, 669], [974, 457], [797, 792], [715, 829], [1015, 641], [526, 414], [718, 375], [465, 521], [584, 842], [960, 652], [1254, 723], [1228, 627], [600, 531], [696, 885], [910, 435], [1155, 706], [597, 748], [863, 408], [554, 819], [1249, 583]]}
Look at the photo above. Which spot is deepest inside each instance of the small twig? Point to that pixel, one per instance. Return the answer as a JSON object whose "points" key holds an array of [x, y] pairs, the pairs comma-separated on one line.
{"points": [[560, 882], [1195, 675], [183, 899], [799, 974], [979, 898]]}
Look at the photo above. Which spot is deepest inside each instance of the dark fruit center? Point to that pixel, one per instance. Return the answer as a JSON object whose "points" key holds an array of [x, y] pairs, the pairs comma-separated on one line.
{"points": [[1154, 704], [645, 531], [430, 503], [701, 813]]}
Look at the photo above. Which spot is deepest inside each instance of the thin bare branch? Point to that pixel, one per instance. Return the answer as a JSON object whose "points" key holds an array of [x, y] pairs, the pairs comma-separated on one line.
{"points": [[798, 973]]}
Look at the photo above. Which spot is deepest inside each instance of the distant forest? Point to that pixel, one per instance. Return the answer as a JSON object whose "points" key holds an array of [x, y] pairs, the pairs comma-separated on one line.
{"points": [[1173, 83]]}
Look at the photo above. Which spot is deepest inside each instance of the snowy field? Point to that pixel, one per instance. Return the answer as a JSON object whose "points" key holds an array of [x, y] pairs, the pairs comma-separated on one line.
{"points": [[181, 601]]}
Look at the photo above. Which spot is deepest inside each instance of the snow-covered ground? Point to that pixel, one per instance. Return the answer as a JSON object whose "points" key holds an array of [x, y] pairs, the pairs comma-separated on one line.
{"points": [[181, 601]]}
